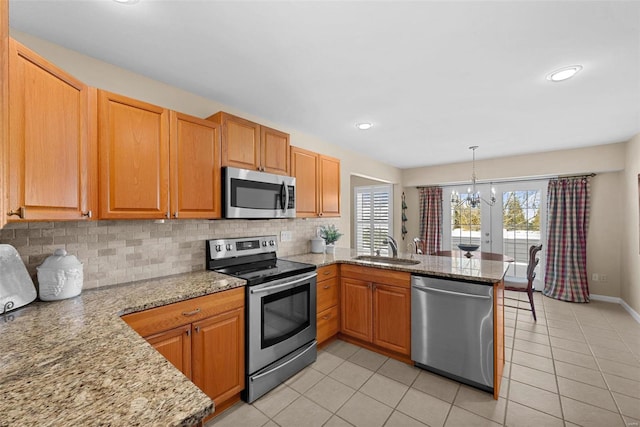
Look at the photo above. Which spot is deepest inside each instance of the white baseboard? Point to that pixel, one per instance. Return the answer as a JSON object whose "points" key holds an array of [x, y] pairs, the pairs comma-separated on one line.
{"points": [[617, 300]]}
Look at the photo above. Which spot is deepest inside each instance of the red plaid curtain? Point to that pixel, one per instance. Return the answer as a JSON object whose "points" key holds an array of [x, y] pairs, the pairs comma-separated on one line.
{"points": [[568, 221], [431, 218]]}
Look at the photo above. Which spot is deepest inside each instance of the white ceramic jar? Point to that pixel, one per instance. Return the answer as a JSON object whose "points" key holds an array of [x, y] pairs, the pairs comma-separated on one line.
{"points": [[60, 276], [317, 245]]}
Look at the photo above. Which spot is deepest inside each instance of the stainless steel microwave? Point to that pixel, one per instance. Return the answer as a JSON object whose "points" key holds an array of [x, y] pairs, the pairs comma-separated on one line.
{"points": [[252, 194]]}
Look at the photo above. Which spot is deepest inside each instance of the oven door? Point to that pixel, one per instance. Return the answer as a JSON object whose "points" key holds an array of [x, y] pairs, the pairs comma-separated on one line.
{"points": [[282, 318], [251, 194]]}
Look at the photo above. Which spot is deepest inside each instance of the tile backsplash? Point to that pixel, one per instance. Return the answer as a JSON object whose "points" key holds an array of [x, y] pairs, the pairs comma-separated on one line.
{"points": [[124, 251]]}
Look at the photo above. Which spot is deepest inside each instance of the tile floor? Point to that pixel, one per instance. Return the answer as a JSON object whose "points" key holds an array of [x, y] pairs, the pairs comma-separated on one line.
{"points": [[578, 365]]}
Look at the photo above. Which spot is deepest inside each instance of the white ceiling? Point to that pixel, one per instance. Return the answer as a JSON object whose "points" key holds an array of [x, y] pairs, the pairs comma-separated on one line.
{"points": [[434, 77]]}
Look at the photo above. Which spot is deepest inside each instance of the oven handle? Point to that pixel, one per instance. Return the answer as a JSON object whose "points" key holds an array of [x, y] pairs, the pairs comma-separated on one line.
{"points": [[271, 288], [257, 377]]}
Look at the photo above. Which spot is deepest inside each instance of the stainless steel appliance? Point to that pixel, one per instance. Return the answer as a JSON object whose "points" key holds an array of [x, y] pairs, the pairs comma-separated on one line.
{"points": [[251, 194], [280, 309], [452, 329]]}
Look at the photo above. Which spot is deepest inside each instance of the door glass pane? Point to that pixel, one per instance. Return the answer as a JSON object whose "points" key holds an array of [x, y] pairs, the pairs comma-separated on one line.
{"points": [[520, 227], [465, 224], [284, 314]]}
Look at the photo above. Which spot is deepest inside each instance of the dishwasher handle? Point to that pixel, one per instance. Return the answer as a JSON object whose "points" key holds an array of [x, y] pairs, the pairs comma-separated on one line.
{"points": [[442, 291]]}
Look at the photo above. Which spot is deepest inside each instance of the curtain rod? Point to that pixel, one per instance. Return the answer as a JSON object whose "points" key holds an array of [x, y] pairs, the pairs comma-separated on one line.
{"points": [[507, 181]]}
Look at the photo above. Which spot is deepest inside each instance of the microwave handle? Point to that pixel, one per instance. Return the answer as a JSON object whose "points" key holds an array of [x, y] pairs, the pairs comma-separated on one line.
{"points": [[284, 201]]}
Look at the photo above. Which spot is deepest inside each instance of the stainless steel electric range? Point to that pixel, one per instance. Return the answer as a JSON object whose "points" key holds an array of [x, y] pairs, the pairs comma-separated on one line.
{"points": [[280, 309]]}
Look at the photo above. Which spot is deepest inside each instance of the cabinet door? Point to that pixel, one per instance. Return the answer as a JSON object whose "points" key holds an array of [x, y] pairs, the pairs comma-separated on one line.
{"points": [[175, 346], [274, 154], [392, 317], [133, 143], [356, 308], [194, 165], [49, 150], [304, 167], [218, 355], [4, 106], [329, 186], [240, 141]]}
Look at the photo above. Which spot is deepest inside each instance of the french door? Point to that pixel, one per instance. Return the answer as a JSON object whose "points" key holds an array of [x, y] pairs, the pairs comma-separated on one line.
{"points": [[510, 227]]}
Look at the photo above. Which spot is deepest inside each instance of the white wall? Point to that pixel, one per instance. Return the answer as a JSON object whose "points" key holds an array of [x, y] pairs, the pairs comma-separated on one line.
{"points": [[115, 79], [607, 208], [630, 288]]}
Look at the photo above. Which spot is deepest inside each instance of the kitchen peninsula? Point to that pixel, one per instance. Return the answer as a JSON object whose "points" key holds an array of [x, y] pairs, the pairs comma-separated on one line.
{"points": [[76, 362]]}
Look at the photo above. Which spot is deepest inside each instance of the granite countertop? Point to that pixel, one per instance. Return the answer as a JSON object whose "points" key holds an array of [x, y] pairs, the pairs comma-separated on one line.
{"points": [[75, 362], [471, 269]]}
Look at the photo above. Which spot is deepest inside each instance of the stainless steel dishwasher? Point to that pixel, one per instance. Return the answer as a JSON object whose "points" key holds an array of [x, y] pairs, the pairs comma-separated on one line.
{"points": [[452, 329]]}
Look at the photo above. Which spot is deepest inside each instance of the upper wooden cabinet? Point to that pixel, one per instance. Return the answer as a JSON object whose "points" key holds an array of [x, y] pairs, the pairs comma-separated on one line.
{"points": [[133, 143], [317, 183], [249, 145], [329, 186], [4, 105], [50, 146], [155, 163], [194, 167]]}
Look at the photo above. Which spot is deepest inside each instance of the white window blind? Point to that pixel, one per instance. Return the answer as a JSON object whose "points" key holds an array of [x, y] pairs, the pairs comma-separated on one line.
{"points": [[373, 218]]}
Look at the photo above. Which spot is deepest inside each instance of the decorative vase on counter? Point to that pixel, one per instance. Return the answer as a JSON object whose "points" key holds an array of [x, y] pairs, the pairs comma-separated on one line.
{"points": [[330, 249], [60, 276]]}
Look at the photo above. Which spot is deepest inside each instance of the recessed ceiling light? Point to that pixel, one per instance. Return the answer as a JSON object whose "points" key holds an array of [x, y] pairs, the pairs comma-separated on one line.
{"points": [[126, 1], [364, 126], [563, 73]]}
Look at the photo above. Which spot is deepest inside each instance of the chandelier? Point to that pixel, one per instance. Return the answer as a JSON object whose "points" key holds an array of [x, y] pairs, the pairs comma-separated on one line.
{"points": [[473, 196]]}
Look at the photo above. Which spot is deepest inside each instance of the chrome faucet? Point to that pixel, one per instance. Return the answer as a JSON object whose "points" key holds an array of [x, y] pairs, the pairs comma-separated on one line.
{"points": [[394, 245]]}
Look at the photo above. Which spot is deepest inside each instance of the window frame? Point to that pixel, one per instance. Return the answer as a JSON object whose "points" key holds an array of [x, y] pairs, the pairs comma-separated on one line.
{"points": [[371, 189]]}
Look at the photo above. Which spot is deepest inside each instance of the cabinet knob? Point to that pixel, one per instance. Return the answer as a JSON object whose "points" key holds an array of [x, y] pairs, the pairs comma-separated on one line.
{"points": [[326, 287], [319, 213], [188, 331], [175, 214], [197, 329], [88, 214], [327, 317], [167, 215], [20, 212]]}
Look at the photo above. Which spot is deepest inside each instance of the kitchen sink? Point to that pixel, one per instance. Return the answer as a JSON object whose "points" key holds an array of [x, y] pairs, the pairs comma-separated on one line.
{"points": [[387, 260]]}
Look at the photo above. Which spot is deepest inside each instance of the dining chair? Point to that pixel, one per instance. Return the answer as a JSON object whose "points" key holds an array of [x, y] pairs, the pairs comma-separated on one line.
{"points": [[517, 284]]}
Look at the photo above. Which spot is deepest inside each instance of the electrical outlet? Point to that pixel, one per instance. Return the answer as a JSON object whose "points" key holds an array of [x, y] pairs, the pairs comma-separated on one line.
{"points": [[595, 277], [603, 277], [286, 236]]}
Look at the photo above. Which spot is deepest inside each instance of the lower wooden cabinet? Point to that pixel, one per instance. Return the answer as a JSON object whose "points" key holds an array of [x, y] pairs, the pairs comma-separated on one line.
{"points": [[175, 346], [218, 355], [376, 307], [203, 338], [327, 301]]}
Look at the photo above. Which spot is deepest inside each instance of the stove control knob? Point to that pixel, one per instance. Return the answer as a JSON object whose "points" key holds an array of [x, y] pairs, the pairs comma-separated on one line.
{"points": [[229, 246], [264, 243], [218, 248], [272, 243]]}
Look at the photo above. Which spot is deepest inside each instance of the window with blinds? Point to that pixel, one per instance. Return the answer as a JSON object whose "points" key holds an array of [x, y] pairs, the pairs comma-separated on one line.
{"points": [[373, 218]]}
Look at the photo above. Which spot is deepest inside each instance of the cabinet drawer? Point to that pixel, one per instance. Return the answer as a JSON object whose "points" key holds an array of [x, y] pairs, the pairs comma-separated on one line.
{"points": [[376, 275], [327, 272], [328, 323], [170, 316], [327, 293]]}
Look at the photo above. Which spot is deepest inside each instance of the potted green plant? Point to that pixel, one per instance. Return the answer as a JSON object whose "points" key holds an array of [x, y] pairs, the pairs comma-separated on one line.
{"points": [[330, 234]]}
